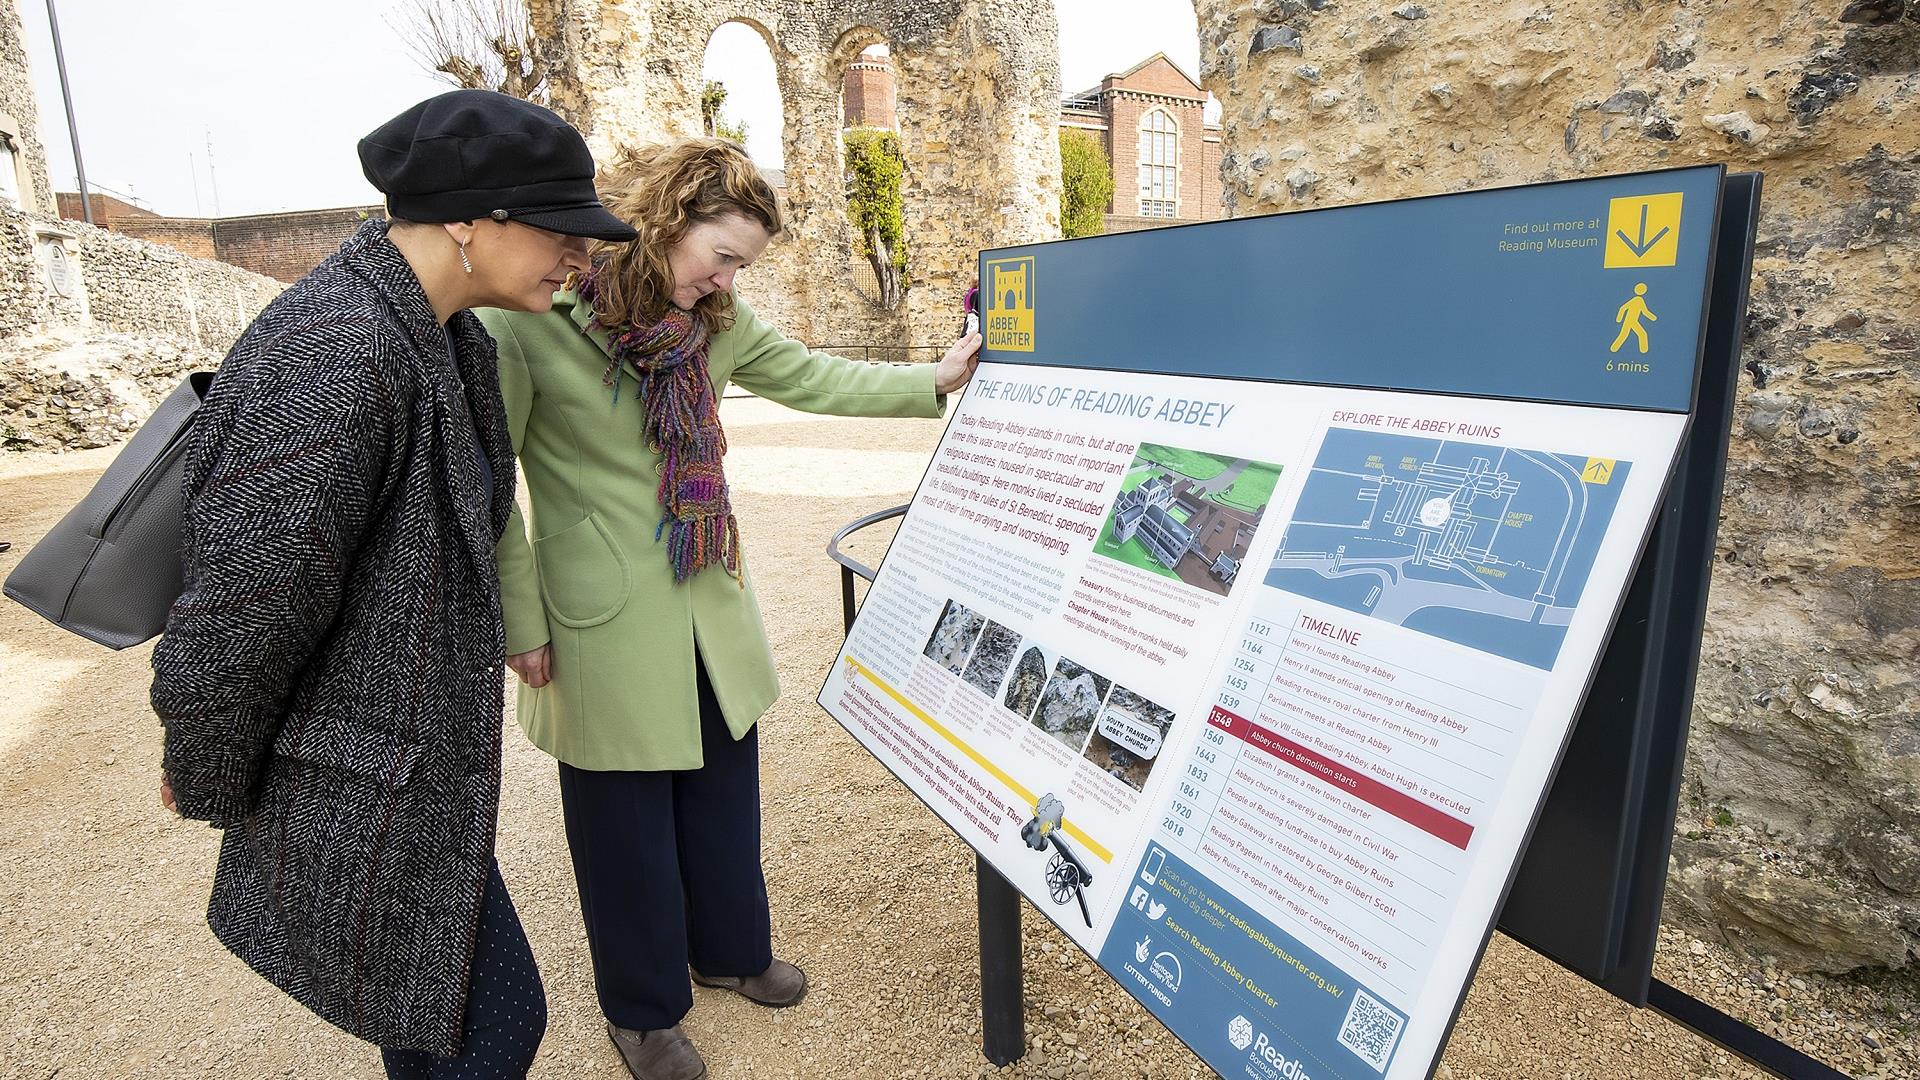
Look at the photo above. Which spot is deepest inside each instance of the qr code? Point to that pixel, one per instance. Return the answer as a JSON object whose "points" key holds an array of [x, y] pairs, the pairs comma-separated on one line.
{"points": [[1370, 1030]]}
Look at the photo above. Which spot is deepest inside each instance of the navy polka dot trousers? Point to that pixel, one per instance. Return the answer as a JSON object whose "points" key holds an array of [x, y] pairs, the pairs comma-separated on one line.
{"points": [[506, 1004]]}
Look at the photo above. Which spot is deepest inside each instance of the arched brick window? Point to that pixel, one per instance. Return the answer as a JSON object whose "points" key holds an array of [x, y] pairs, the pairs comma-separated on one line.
{"points": [[1159, 164]]}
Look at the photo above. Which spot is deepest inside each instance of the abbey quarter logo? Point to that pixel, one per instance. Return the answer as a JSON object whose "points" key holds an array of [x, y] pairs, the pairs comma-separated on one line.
{"points": [[1010, 303]]}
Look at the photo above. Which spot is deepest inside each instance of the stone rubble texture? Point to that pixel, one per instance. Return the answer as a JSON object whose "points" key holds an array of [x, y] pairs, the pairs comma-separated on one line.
{"points": [[1070, 703], [1029, 677], [953, 638], [84, 370], [978, 107], [991, 658], [1799, 836], [69, 390]]}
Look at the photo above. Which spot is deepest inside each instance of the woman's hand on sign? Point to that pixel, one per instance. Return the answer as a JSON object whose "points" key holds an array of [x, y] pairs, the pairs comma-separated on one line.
{"points": [[535, 666], [957, 366]]}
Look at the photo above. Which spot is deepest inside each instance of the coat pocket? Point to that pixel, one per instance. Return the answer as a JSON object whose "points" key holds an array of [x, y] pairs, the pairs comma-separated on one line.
{"points": [[344, 816], [383, 757], [583, 574]]}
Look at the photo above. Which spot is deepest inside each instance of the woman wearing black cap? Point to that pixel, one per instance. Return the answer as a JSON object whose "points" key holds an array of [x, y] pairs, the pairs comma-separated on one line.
{"points": [[331, 679]]}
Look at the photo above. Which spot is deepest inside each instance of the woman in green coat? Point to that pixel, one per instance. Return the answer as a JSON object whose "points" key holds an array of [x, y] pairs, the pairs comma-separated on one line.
{"points": [[630, 614]]}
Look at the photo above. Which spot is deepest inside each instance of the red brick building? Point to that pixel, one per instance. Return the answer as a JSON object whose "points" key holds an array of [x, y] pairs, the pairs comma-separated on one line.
{"points": [[283, 246], [286, 246], [1151, 120], [867, 91]]}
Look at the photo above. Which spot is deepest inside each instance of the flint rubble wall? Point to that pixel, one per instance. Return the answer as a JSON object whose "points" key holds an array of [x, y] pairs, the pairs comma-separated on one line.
{"points": [[1799, 833]]}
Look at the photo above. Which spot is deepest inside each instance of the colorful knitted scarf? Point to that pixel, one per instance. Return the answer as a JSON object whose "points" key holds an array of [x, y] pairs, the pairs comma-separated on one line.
{"points": [[681, 418]]}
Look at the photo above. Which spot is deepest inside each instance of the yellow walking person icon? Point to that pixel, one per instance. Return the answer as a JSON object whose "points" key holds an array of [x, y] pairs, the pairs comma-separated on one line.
{"points": [[1629, 317]]}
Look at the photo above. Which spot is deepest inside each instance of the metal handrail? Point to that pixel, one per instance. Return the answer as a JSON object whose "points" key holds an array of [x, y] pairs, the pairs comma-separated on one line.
{"points": [[904, 354], [849, 566]]}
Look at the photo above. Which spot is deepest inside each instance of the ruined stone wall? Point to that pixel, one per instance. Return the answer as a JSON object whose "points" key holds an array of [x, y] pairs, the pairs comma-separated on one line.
{"points": [[18, 104], [120, 284], [137, 287], [1800, 817], [96, 326], [27, 300], [977, 103], [82, 368]]}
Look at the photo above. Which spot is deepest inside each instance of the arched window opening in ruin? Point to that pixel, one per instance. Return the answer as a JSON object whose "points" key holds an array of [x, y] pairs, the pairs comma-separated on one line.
{"points": [[1159, 164], [875, 168], [740, 95]]}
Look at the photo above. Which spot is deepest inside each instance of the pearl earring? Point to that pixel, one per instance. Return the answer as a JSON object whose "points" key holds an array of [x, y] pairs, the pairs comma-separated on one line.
{"points": [[463, 259]]}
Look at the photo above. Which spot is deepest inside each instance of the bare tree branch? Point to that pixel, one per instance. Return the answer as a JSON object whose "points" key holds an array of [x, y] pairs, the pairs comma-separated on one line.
{"points": [[481, 45]]}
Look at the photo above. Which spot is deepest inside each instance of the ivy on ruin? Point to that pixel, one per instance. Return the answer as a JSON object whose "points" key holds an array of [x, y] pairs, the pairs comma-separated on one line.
{"points": [[876, 171]]}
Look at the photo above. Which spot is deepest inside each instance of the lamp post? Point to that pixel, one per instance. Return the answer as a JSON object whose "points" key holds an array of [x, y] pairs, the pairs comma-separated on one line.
{"points": [[73, 129]]}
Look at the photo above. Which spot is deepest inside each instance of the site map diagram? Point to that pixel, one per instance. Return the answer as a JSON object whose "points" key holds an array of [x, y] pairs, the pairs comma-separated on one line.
{"points": [[1483, 545]]}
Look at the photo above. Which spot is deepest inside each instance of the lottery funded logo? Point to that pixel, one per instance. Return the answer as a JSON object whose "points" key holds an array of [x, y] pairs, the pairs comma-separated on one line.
{"points": [[1010, 292]]}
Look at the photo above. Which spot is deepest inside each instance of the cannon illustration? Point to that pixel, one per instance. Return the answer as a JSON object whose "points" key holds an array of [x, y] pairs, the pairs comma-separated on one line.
{"points": [[1066, 875]]}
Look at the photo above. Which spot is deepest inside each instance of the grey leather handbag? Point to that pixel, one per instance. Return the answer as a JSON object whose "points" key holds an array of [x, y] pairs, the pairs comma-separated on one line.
{"points": [[110, 570]]}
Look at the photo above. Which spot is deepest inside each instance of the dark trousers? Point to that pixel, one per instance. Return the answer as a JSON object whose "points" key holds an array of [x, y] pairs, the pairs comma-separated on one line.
{"points": [[506, 1005], [668, 865]]}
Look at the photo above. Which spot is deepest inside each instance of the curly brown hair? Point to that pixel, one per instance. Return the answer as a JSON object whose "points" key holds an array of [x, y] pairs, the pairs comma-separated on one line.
{"points": [[663, 190]]}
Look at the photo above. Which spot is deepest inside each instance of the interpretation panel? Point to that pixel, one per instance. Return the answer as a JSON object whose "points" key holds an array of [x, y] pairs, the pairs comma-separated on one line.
{"points": [[1245, 664]]}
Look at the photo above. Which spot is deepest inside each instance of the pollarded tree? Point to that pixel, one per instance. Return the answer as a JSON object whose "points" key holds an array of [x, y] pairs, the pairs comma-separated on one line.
{"points": [[490, 45], [875, 172], [1086, 184]]}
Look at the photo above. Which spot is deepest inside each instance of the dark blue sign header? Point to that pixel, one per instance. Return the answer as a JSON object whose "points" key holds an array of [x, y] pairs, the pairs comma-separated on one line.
{"points": [[1585, 291]]}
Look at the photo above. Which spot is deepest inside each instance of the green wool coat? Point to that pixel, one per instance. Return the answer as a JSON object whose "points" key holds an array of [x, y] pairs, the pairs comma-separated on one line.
{"points": [[595, 584]]}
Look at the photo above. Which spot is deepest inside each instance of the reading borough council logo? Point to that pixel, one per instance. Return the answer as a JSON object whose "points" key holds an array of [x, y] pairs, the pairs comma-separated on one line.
{"points": [[1011, 292], [1240, 1033]]}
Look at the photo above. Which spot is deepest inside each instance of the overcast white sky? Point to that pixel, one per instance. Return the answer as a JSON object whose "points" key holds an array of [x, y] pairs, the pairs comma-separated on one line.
{"points": [[284, 88]]}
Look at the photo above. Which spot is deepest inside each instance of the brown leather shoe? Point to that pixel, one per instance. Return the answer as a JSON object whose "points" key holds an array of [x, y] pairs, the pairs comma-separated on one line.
{"points": [[665, 1054], [779, 986]]}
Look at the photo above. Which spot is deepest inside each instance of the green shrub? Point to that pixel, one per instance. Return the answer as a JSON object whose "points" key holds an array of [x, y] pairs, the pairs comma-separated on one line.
{"points": [[1086, 184]]}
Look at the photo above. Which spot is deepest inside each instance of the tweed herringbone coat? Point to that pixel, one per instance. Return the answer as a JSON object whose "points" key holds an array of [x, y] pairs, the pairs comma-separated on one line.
{"points": [[331, 680]]}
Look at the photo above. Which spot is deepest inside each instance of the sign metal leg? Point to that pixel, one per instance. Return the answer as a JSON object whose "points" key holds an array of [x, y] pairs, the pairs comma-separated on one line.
{"points": [[1756, 1046], [1003, 1025]]}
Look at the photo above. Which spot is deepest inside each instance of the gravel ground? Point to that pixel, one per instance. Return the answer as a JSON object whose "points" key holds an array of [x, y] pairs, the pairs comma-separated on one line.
{"points": [[107, 969]]}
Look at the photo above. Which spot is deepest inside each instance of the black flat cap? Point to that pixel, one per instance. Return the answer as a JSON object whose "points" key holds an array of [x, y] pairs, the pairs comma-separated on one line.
{"points": [[471, 154]]}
